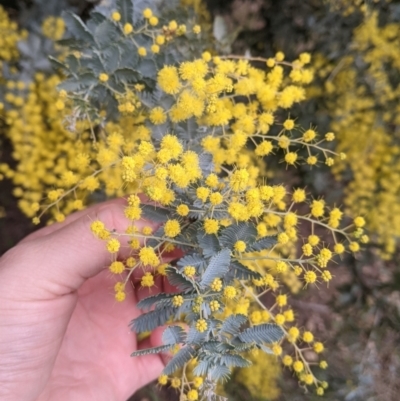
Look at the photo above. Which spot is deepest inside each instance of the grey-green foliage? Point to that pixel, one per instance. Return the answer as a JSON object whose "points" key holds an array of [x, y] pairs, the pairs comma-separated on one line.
{"points": [[218, 346], [104, 48]]}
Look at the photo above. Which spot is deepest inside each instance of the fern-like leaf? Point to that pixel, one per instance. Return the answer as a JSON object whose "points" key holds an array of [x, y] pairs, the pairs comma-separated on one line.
{"points": [[193, 259], [262, 244], [154, 350], [183, 356], [147, 303], [202, 367], [77, 27], [262, 333], [179, 280], [155, 214], [219, 373], [237, 232], [232, 324], [208, 243], [233, 361], [241, 272], [150, 320], [217, 267], [173, 335], [125, 8], [195, 337]]}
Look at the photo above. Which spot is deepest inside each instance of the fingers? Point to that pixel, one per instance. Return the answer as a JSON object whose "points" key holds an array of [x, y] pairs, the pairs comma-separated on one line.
{"points": [[59, 262], [71, 218]]}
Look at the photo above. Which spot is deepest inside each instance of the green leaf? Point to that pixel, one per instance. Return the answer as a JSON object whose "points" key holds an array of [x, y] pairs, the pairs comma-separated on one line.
{"points": [[183, 356], [76, 27], [173, 335], [177, 279], [150, 320], [241, 272], [237, 232], [125, 8], [263, 243], [262, 333], [218, 267], [155, 214], [154, 350], [232, 324], [208, 243]]}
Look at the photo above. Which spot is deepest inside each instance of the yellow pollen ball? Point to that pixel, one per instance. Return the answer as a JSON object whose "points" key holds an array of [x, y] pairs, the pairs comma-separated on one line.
{"points": [[182, 210], [172, 228], [116, 16], [147, 280], [240, 246], [128, 28], [117, 267], [147, 13]]}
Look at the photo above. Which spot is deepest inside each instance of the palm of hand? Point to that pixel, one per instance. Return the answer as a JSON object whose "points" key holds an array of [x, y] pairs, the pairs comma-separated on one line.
{"points": [[95, 352]]}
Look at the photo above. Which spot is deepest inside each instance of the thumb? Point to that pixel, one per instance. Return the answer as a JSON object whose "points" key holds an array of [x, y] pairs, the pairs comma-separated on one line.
{"points": [[57, 264]]}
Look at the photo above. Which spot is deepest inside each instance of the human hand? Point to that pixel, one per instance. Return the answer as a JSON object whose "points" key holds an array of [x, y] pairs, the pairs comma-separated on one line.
{"points": [[62, 335]]}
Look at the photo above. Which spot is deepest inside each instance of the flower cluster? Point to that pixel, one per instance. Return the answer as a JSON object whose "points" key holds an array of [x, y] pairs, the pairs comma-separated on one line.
{"points": [[186, 142], [10, 35], [364, 99]]}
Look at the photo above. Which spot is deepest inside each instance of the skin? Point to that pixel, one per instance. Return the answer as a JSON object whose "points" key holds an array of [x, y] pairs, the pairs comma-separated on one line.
{"points": [[62, 334]]}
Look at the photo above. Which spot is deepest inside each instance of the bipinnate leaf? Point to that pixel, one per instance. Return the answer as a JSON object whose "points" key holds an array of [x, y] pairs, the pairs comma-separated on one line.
{"points": [[195, 337], [263, 243], [231, 325], [76, 27], [58, 65], [83, 82], [219, 373], [202, 367], [105, 34], [173, 335], [234, 360], [179, 280], [237, 232], [206, 163], [217, 267], [150, 320], [154, 350], [183, 356], [193, 259], [262, 333], [147, 303], [153, 213], [208, 243], [126, 75], [125, 8], [241, 272]]}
